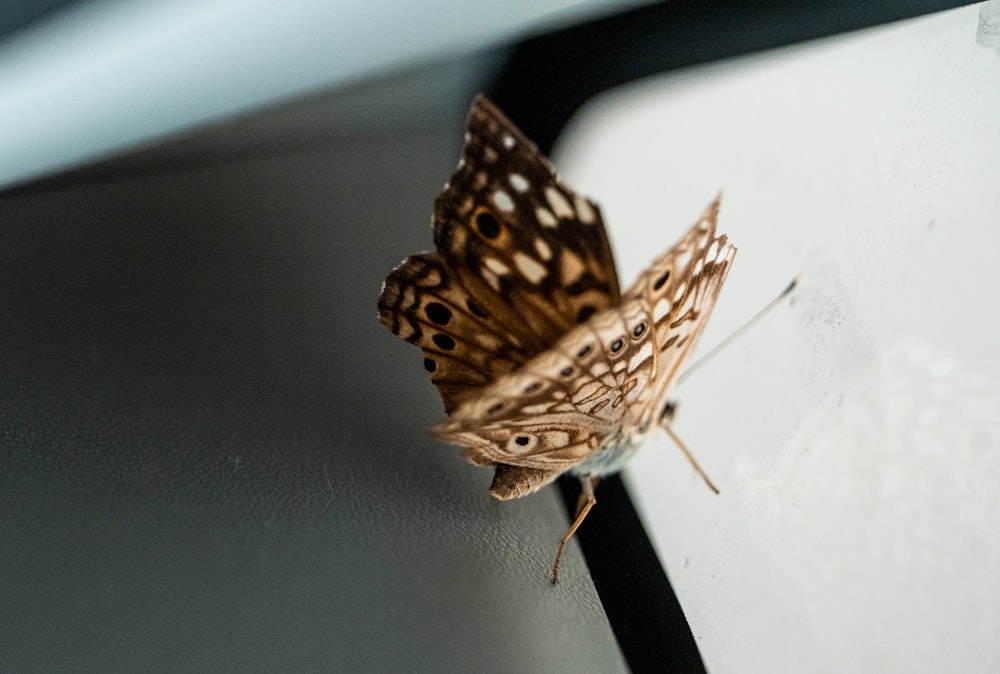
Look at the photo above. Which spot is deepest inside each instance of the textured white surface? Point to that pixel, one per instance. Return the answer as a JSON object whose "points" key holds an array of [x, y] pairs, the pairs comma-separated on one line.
{"points": [[855, 433]]}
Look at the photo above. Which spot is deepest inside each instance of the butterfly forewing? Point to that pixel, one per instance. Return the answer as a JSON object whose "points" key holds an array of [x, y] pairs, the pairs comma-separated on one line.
{"points": [[509, 228], [679, 290], [520, 259]]}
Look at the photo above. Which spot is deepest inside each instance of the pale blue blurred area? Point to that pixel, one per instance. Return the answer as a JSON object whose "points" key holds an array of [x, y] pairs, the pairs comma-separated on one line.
{"points": [[98, 77]]}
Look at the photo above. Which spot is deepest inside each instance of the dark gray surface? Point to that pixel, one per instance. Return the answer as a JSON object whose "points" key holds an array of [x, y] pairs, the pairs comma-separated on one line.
{"points": [[21, 14], [215, 458]]}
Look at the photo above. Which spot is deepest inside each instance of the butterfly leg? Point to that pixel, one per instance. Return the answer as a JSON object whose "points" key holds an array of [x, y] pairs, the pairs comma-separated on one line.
{"points": [[583, 506], [690, 457]]}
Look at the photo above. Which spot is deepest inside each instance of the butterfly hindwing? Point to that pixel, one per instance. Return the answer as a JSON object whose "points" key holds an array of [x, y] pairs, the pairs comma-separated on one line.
{"points": [[423, 304], [564, 404]]}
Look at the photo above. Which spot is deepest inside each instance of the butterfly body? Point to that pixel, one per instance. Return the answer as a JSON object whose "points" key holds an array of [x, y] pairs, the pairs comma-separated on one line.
{"points": [[545, 367], [609, 459]]}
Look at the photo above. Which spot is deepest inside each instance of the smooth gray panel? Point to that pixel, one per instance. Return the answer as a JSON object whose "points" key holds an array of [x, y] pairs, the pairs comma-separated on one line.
{"points": [[215, 458]]}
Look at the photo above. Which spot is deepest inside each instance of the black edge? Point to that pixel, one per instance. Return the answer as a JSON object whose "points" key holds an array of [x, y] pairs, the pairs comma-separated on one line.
{"points": [[547, 78], [642, 608]]}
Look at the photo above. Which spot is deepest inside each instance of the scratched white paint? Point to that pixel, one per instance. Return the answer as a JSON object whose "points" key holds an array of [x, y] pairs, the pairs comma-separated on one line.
{"points": [[855, 432]]}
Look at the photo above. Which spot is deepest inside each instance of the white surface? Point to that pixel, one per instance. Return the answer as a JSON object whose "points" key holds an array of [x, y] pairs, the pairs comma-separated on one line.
{"points": [[855, 433], [105, 75]]}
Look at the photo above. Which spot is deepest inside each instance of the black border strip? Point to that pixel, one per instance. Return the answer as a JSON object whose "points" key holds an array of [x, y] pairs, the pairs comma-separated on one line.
{"points": [[545, 80], [642, 608]]}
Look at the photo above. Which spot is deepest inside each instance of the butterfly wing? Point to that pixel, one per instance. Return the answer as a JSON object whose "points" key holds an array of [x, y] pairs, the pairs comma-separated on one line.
{"points": [[553, 412], [679, 291], [520, 259], [599, 385]]}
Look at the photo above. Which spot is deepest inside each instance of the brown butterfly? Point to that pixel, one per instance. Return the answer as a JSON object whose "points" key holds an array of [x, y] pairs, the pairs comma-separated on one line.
{"points": [[543, 365]]}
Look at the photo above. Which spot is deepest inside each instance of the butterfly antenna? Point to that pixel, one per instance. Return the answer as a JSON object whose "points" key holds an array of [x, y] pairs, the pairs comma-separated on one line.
{"points": [[690, 457], [743, 328]]}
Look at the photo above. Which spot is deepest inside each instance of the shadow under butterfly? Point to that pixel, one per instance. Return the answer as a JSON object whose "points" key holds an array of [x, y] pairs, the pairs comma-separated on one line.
{"points": [[543, 364]]}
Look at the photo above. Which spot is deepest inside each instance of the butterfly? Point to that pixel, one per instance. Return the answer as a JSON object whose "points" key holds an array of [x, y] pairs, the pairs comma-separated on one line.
{"points": [[544, 365]]}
